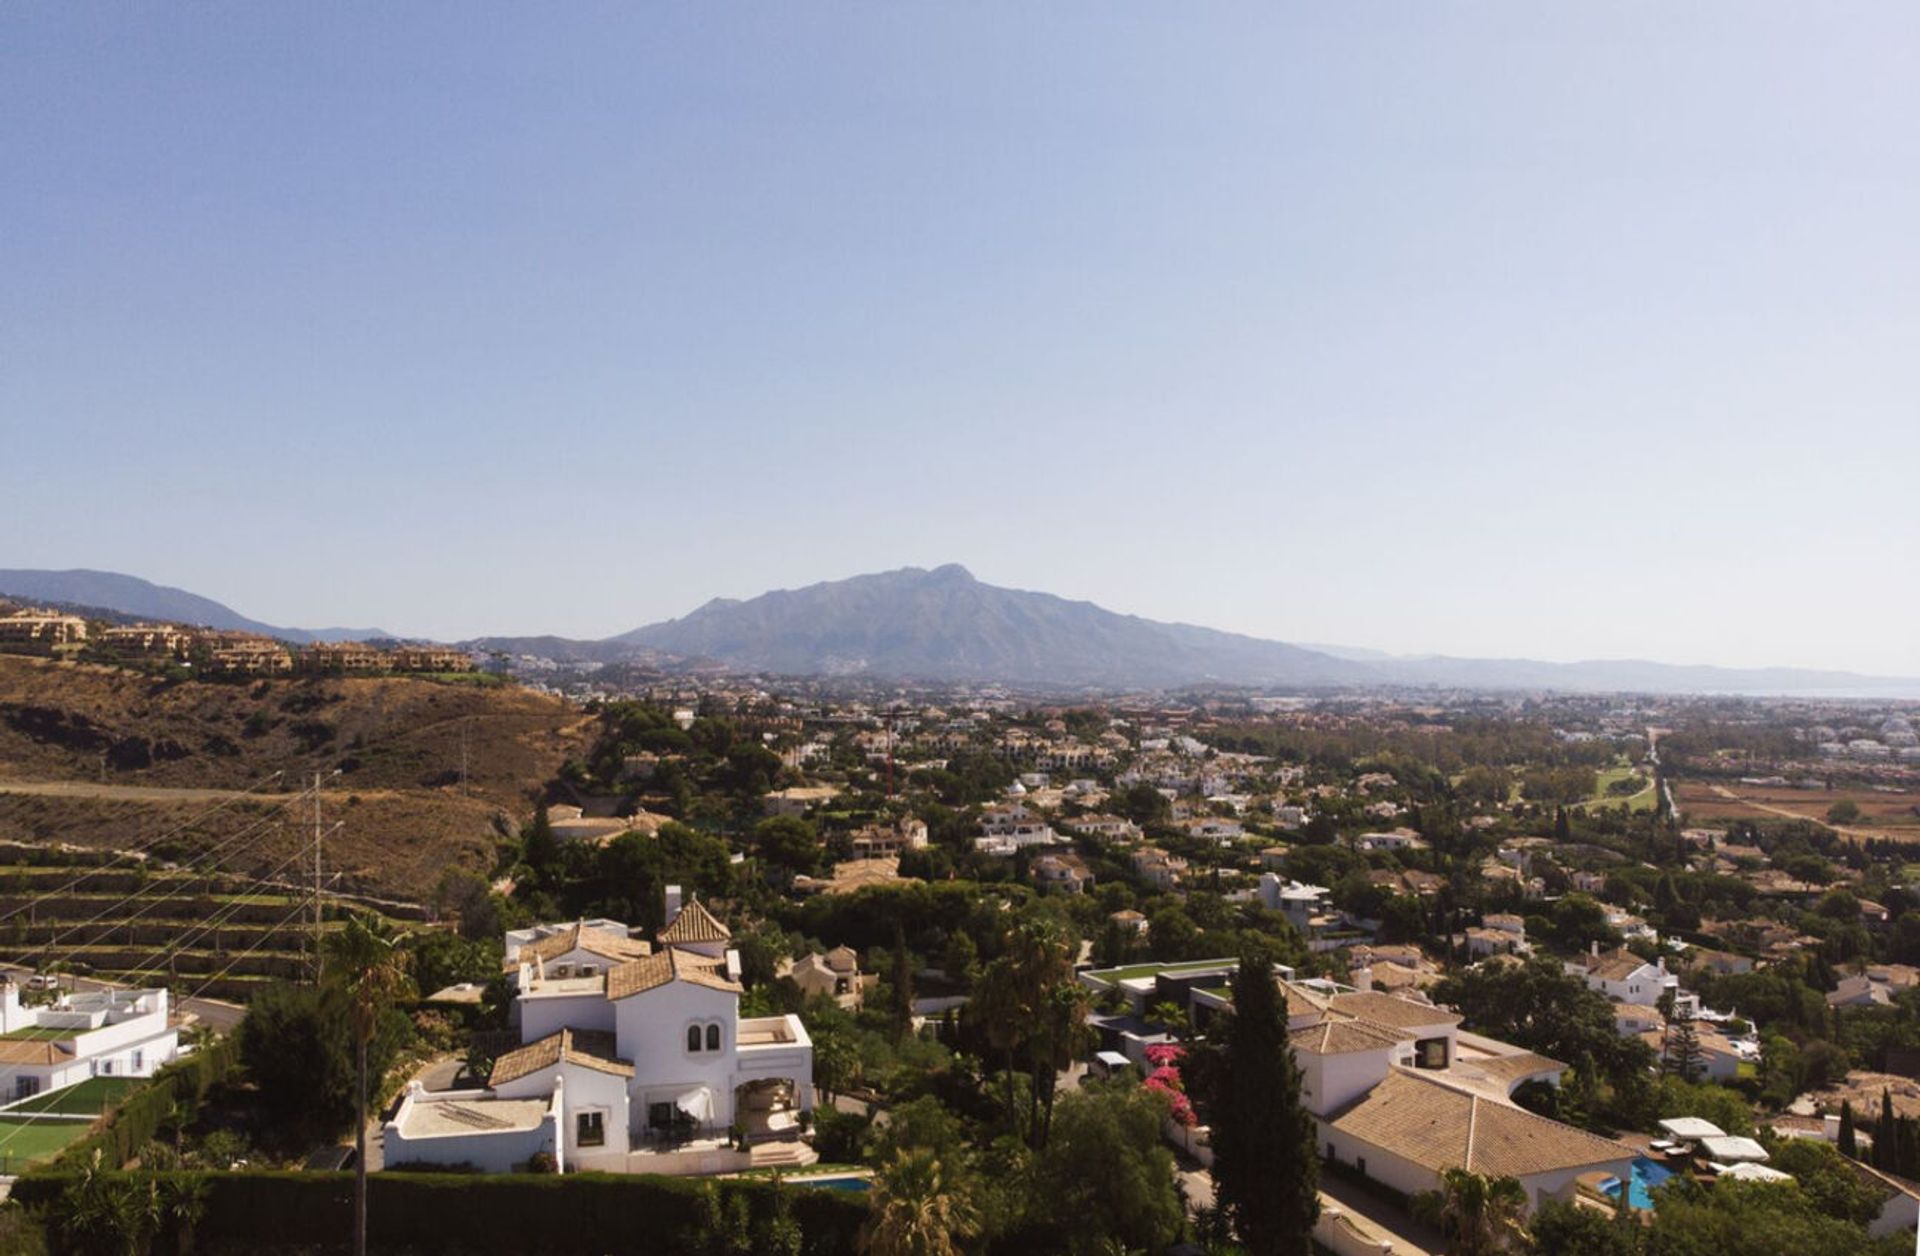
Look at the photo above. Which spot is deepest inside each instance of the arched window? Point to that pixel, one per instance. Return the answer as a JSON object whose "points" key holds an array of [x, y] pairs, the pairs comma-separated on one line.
{"points": [[693, 1037], [713, 1037]]}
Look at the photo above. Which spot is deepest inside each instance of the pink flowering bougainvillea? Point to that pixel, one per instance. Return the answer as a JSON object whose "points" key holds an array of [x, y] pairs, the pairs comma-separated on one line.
{"points": [[1165, 1079]]}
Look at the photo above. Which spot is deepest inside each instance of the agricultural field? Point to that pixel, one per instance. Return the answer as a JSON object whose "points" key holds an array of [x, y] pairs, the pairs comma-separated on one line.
{"points": [[1882, 814]]}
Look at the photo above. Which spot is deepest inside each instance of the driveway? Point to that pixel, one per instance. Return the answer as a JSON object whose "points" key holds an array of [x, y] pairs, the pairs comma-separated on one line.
{"points": [[1375, 1217]]}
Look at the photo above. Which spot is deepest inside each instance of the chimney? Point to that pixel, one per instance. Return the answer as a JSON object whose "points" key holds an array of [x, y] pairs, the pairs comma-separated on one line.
{"points": [[1663, 965], [1363, 979], [673, 904], [1593, 947]]}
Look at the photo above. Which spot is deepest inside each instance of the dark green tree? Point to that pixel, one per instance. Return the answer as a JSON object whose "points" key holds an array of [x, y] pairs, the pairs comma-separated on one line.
{"points": [[1265, 1169]]}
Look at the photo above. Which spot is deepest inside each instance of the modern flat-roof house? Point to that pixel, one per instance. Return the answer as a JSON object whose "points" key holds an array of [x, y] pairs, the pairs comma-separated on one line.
{"points": [[106, 1033], [632, 1058]]}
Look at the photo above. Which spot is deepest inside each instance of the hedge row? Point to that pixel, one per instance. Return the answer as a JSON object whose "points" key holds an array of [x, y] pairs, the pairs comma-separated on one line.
{"points": [[140, 1115], [576, 1214]]}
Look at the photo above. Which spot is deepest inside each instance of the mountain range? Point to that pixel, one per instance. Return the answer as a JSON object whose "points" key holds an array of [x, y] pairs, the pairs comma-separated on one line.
{"points": [[131, 595], [944, 624]]}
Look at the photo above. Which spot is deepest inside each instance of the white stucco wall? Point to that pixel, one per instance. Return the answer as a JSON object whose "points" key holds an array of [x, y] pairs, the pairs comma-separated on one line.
{"points": [[490, 1151], [1405, 1176], [652, 1030], [541, 1015], [585, 1090]]}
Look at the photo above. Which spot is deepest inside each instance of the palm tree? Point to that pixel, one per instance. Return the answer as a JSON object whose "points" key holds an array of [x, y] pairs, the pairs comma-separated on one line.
{"points": [[915, 1210], [1064, 1036], [366, 965], [1482, 1215]]}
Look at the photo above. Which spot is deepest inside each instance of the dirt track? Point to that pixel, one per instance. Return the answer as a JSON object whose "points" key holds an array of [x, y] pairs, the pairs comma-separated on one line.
{"points": [[130, 793]]}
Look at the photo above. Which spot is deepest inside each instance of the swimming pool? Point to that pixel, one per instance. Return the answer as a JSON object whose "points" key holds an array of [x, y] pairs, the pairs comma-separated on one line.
{"points": [[838, 1183], [1646, 1175]]}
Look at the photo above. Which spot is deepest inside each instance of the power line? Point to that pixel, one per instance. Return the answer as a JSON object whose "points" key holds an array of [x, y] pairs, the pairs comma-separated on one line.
{"points": [[179, 888], [178, 829]]}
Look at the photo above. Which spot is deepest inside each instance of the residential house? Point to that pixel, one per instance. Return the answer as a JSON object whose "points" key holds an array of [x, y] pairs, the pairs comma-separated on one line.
{"points": [[1482, 942], [1720, 963], [585, 948], [1413, 1126], [92, 1033], [1299, 902], [1589, 882], [1007, 827], [877, 841], [640, 1067], [1112, 828], [1157, 867], [1395, 839], [835, 975], [1214, 829], [1064, 872], [1861, 991], [1623, 976]]}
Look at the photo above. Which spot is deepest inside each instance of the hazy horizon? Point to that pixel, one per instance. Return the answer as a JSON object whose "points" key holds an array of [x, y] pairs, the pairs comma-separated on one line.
{"points": [[1567, 332]]}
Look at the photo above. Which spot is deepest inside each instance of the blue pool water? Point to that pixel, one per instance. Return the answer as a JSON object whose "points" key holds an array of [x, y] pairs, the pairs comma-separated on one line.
{"points": [[837, 1183], [1646, 1176]]}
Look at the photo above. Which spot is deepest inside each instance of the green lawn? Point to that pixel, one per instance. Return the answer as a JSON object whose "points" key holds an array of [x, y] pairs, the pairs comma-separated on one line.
{"points": [[37, 1034], [36, 1140], [89, 1098], [1641, 801]]}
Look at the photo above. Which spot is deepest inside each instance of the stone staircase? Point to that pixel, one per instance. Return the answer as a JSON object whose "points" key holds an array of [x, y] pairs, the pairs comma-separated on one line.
{"points": [[784, 1154]]}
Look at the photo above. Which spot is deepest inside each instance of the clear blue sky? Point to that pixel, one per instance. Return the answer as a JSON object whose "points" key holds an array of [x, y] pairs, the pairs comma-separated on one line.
{"points": [[1562, 330]]}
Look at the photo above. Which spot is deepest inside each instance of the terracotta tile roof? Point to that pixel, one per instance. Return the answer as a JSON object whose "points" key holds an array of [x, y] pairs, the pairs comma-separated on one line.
{"points": [[1430, 1123], [1302, 999], [1342, 1037], [671, 964], [602, 942], [1509, 1068], [694, 923], [30, 1051], [1391, 1011], [1614, 965], [589, 1048]]}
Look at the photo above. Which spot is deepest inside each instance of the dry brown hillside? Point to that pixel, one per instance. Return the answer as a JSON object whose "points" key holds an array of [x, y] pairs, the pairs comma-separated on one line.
{"points": [[104, 756]]}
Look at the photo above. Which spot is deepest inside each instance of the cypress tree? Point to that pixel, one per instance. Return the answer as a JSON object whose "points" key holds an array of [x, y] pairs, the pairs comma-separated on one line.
{"points": [[1883, 1135], [1849, 1145], [1265, 1167]]}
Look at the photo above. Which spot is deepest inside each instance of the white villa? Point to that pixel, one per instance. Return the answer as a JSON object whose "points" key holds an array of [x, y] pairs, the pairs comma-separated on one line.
{"points": [[1400, 1093], [1624, 977], [105, 1033], [632, 1058]]}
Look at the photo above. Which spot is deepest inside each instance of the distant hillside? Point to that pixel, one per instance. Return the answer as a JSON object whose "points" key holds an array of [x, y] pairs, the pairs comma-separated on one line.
{"points": [[945, 625], [143, 599], [104, 756]]}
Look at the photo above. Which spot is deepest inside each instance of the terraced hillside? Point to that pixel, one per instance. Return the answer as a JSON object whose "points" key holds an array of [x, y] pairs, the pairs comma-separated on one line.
{"points": [[109, 757], [137, 922]]}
